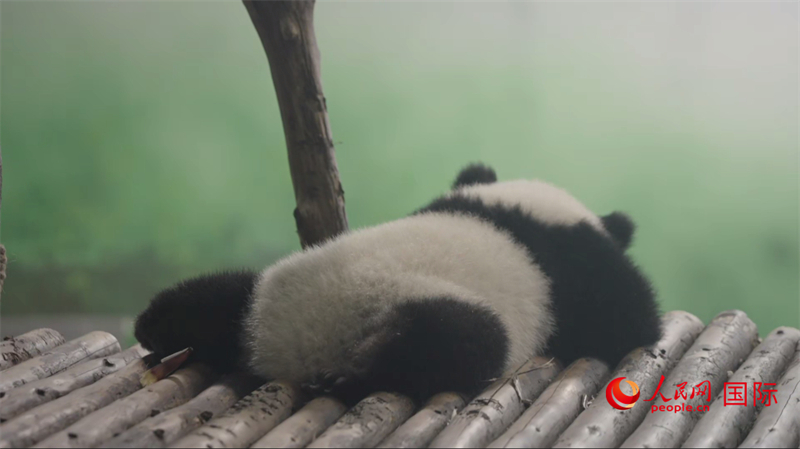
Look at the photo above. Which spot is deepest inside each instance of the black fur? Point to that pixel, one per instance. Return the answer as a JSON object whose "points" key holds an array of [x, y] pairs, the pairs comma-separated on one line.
{"points": [[620, 226], [604, 306], [475, 174], [205, 313], [435, 345]]}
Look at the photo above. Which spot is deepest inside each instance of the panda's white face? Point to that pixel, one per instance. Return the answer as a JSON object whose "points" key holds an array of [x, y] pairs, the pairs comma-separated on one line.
{"points": [[542, 201]]}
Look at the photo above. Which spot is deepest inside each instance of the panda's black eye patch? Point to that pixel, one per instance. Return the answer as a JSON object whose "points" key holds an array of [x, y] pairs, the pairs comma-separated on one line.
{"points": [[621, 228]]}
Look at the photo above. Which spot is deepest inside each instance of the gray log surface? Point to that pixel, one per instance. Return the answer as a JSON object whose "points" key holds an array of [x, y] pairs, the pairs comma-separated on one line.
{"points": [[167, 427], [727, 426], [601, 425], [123, 414], [556, 407], [14, 350], [92, 345], [720, 349], [248, 420], [369, 422], [305, 425], [286, 30], [488, 415], [779, 424], [34, 425], [423, 427], [34, 394]]}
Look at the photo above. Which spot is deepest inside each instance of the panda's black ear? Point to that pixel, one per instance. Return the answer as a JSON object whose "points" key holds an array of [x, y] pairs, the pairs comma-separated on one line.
{"points": [[475, 174], [620, 226]]}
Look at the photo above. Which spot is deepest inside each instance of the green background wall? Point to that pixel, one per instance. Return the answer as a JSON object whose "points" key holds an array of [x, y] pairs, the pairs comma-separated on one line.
{"points": [[142, 141]]}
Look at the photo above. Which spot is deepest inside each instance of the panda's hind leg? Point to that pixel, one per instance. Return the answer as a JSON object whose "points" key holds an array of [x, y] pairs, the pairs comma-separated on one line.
{"points": [[440, 344]]}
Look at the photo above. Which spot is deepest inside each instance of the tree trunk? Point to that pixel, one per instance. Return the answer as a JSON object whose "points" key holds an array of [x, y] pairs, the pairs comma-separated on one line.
{"points": [[34, 394], [725, 426], [556, 407], [305, 425], [423, 427], [15, 350], [601, 425], [286, 29], [488, 415], [91, 346], [125, 413], [720, 349], [369, 422]]}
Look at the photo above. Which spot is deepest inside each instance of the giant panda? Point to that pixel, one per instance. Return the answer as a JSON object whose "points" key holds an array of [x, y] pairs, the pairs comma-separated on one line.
{"points": [[459, 293]]}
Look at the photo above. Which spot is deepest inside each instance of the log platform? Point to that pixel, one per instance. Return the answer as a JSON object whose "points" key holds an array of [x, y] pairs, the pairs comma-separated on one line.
{"points": [[88, 392]]}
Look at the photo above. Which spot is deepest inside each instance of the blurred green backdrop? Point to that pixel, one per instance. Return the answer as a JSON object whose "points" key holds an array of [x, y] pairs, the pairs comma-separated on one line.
{"points": [[142, 140]]}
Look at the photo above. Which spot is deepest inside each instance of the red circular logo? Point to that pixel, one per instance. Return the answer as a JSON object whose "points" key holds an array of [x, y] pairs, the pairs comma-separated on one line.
{"points": [[617, 398]]}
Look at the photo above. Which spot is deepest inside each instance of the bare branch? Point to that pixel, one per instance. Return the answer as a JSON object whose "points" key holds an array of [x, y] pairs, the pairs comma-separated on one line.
{"points": [[286, 30]]}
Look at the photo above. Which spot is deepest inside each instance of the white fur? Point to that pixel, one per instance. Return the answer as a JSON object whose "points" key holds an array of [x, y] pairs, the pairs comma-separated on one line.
{"points": [[311, 306], [543, 201]]}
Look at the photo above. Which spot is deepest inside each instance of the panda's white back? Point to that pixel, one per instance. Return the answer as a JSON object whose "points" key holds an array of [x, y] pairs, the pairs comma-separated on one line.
{"points": [[310, 307]]}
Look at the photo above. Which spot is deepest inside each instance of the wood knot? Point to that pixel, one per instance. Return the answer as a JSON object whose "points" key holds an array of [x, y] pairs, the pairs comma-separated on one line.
{"points": [[290, 30]]}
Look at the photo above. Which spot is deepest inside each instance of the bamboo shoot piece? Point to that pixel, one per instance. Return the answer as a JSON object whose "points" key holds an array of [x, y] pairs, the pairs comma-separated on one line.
{"points": [[166, 428], [556, 407], [22, 399], [92, 345], [35, 425], [488, 415], [248, 420], [369, 422], [727, 426], [123, 414], [305, 425], [601, 425], [720, 349], [423, 427], [14, 350]]}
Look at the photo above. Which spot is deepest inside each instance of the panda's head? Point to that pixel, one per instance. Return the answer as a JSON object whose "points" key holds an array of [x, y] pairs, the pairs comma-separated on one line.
{"points": [[543, 201]]}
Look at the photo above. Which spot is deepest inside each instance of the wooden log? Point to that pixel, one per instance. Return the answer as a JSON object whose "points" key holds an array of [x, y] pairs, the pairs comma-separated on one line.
{"points": [[248, 420], [123, 414], [423, 427], [286, 30], [33, 426], [778, 425], [369, 422], [14, 350], [601, 425], [166, 428], [488, 415], [305, 425], [92, 345], [727, 426], [556, 407], [33, 394], [720, 349]]}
